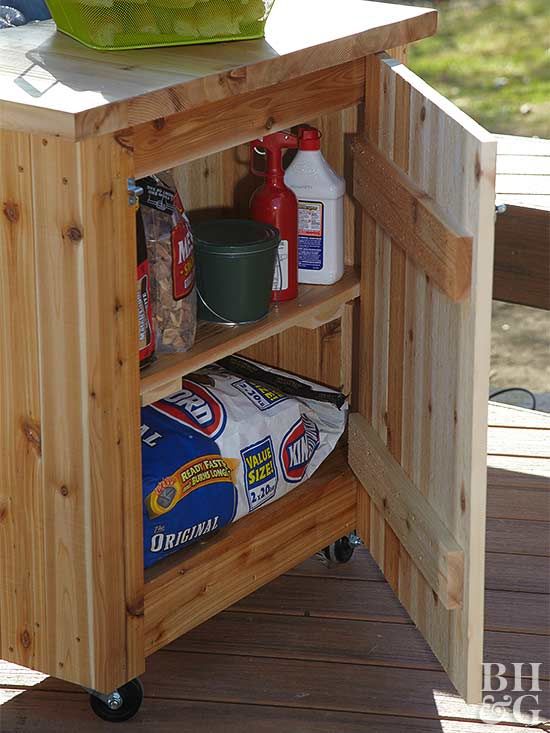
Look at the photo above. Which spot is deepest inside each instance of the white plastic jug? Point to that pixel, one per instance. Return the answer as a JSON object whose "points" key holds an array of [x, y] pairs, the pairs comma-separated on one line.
{"points": [[320, 193]]}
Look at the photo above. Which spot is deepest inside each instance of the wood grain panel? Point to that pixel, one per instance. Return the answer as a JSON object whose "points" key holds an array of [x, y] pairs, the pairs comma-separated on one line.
{"points": [[522, 256], [413, 220], [215, 341], [24, 599], [423, 535], [89, 382], [444, 360], [191, 134]]}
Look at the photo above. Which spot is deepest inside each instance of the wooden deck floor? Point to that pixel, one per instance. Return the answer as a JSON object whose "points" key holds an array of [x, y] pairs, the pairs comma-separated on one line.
{"points": [[330, 649]]}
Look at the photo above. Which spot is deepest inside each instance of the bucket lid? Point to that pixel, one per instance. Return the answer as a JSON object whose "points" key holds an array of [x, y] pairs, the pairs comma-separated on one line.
{"points": [[235, 236]]}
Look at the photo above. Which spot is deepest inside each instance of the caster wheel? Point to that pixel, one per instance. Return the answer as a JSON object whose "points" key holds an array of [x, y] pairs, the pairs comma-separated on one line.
{"points": [[340, 551], [120, 705]]}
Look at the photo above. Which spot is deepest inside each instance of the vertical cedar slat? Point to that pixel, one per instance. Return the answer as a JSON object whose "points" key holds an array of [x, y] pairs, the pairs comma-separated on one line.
{"points": [[363, 372], [397, 333], [24, 598]]}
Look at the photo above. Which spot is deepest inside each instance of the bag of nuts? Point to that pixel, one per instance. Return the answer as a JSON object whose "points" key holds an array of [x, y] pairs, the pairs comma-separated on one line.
{"points": [[172, 263]]}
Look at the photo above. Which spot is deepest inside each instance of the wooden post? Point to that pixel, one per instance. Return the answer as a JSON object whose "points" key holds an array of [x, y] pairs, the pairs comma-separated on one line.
{"points": [[71, 535]]}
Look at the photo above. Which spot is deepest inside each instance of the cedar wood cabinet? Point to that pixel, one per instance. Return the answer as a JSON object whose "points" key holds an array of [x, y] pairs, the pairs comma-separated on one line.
{"points": [[405, 333]]}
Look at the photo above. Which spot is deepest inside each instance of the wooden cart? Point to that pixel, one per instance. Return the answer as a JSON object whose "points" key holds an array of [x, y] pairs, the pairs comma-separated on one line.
{"points": [[406, 331]]}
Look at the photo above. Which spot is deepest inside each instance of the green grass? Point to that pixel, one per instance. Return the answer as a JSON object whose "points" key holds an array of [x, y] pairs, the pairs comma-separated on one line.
{"points": [[492, 58]]}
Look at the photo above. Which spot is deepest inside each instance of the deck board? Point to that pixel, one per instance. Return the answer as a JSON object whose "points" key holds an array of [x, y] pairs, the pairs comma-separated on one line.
{"points": [[329, 648], [523, 171]]}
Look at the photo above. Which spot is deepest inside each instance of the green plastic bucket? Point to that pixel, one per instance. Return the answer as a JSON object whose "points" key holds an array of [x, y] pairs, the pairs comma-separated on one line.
{"points": [[235, 267]]}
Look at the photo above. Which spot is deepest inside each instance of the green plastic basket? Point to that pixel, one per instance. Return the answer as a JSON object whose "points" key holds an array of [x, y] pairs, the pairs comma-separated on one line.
{"points": [[119, 24]]}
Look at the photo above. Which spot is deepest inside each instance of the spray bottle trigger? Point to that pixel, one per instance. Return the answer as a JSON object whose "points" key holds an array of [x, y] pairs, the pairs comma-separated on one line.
{"points": [[256, 149]]}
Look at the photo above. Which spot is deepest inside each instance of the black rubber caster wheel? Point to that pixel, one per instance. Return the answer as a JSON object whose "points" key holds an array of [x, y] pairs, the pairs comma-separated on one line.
{"points": [[340, 551], [121, 705]]}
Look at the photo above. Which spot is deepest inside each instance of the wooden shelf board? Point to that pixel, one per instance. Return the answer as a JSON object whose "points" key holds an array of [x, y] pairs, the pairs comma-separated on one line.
{"points": [[186, 589], [315, 305]]}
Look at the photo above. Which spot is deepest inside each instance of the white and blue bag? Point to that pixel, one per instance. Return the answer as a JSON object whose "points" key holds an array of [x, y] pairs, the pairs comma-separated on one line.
{"points": [[236, 437]]}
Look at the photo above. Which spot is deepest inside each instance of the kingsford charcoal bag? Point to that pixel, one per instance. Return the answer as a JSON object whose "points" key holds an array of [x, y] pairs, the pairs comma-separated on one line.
{"points": [[236, 437]]}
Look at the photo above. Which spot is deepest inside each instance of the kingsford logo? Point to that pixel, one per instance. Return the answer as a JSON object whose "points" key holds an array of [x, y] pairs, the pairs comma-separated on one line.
{"points": [[298, 448], [196, 407]]}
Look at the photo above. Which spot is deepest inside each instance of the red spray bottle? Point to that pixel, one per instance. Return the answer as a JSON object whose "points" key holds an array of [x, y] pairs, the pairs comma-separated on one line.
{"points": [[274, 203]]}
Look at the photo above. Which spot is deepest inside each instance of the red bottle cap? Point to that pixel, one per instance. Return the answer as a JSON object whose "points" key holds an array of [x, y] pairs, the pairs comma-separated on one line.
{"points": [[309, 138]]}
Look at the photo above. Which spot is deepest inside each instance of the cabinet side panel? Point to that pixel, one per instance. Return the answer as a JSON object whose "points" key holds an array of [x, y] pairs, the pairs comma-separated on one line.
{"points": [[23, 602], [89, 389]]}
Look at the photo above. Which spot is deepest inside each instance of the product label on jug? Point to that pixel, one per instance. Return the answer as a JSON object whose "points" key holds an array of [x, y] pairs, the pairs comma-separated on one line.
{"points": [[280, 279], [310, 235]]}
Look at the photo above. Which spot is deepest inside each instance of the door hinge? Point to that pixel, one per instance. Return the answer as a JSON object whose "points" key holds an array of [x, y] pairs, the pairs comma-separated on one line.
{"points": [[134, 192]]}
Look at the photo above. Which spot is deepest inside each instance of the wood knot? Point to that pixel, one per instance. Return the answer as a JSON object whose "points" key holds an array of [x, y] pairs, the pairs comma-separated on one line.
{"points": [[238, 74], [159, 123], [477, 169], [11, 211], [411, 335], [415, 211], [26, 639], [3, 512], [269, 123], [124, 140], [430, 407], [436, 598], [462, 499], [64, 491], [136, 609], [73, 234], [31, 431], [422, 113]]}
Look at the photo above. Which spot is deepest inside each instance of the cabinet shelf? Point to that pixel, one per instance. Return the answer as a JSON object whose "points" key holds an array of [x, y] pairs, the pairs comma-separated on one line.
{"points": [[315, 305], [186, 589]]}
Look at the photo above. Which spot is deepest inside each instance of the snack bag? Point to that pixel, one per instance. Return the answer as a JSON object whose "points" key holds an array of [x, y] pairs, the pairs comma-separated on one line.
{"points": [[172, 264], [236, 437]]}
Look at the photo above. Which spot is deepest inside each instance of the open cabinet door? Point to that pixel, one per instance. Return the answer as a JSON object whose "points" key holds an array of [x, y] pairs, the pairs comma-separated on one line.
{"points": [[424, 175]]}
